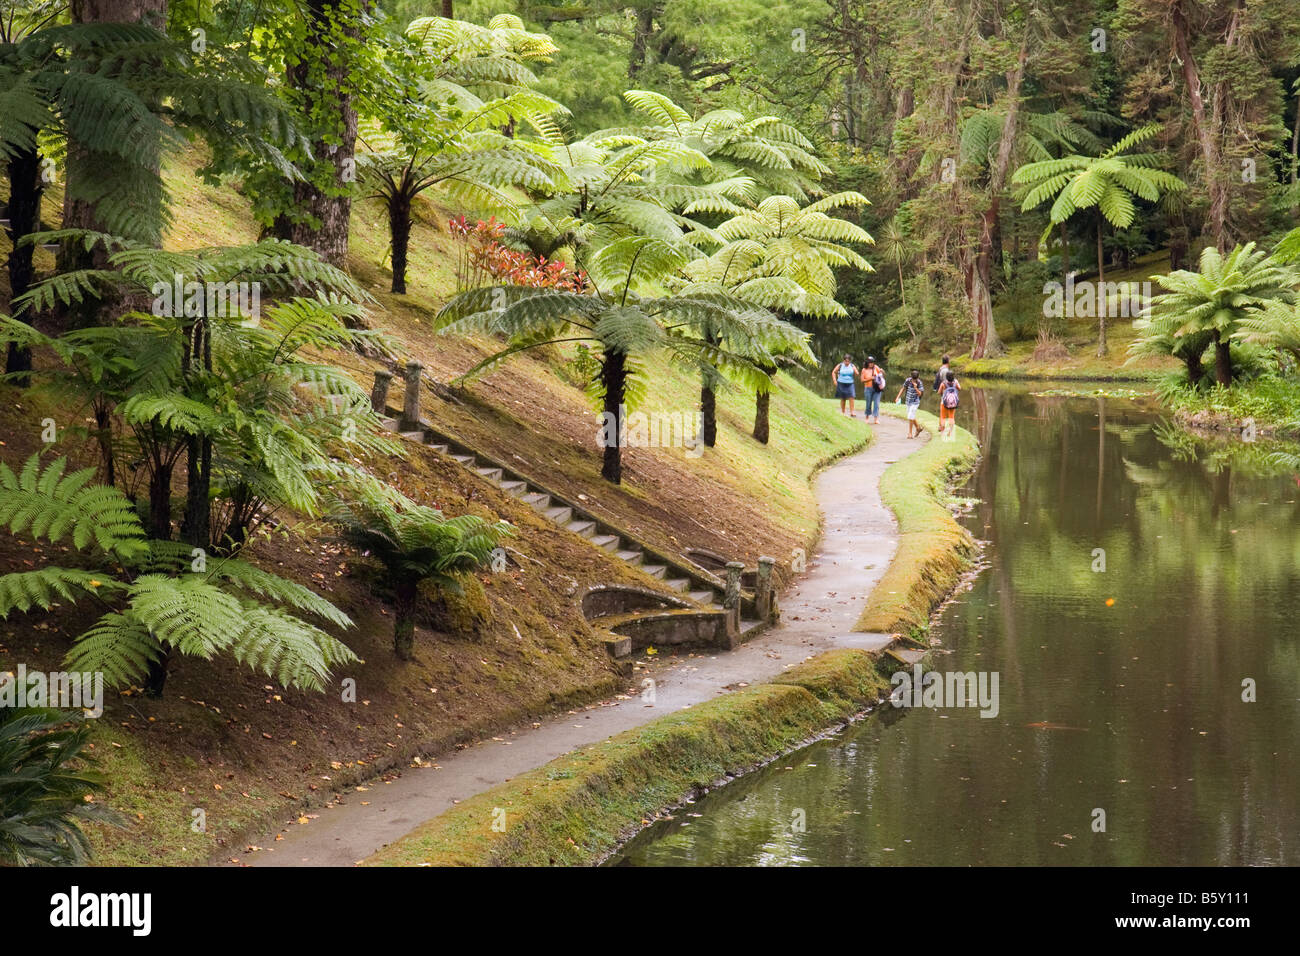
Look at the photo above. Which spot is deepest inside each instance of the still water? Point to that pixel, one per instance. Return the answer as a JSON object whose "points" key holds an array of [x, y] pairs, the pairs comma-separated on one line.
{"points": [[1138, 672]]}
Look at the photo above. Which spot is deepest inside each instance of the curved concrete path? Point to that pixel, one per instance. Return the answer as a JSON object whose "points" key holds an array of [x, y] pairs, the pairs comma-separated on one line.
{"points": [[817, 614]]}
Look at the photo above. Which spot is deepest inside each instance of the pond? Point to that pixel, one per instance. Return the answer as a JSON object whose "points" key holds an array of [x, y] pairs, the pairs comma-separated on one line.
{"points": [[1138, 604]]}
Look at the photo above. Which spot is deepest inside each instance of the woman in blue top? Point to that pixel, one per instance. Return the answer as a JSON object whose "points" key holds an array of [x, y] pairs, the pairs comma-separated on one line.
{"points": [[845, 390]]}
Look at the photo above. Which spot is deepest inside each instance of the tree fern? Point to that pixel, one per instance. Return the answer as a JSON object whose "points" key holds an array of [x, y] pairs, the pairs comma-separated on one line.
{"points": [[48, 778], [48, 504]]}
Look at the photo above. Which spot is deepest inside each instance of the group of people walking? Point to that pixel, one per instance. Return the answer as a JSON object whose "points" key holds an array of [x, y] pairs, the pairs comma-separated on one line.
{"points": [[846, 376]]}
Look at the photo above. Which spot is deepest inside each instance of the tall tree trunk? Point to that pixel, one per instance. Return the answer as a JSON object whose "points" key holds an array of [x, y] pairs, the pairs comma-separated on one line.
{"points": [[447, 10], [644, 26], [614, 377], [330, 203], [399, 228], [1101, 287], [979, 284], [1216, 180], [24, 218]]}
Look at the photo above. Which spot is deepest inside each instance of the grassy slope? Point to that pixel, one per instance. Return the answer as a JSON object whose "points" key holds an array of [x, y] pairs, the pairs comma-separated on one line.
{"points": [[1080, 338], [226, 742]]}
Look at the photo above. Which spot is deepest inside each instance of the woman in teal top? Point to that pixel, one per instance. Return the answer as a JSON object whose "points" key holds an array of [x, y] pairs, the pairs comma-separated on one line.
{"points": [[846, 390]]}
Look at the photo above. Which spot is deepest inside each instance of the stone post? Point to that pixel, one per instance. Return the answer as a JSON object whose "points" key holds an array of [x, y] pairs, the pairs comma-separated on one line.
{"points": [[763, 590], [411, 402], [731, 601], [379, 394]]}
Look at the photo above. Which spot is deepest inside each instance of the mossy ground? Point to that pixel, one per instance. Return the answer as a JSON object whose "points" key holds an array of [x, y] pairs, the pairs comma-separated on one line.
{"points": [[933, 549], [578, 808]]}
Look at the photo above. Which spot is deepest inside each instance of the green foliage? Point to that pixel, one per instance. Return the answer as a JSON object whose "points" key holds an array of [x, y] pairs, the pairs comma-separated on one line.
{"points": [[1225, 300], [411, 540], [413, 544], [48, 504], [124, 93], [46, 781], [160, 601], [1109, 182]]}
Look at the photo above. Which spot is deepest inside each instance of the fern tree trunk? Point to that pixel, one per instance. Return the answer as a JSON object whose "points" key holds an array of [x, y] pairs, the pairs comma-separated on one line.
{"points": [[399, 228], [24, 218], [160, 528], [407, 593], [323, 201], [1222, 361], [197, 522], [613, 374], [709, 398], [709, 410], [762, 409]]}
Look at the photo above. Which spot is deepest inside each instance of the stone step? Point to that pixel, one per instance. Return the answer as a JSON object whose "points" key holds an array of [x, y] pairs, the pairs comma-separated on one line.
{"points": [[631, 557], [607, 541], [413, 436], [655, 570], [905, 655], [440, 449], [560, 514], [515, 488], [389, 423], [584, 528], [465, 460], [491, 474], [537, 499], [678, 584], [702, 597], [617, 645]]}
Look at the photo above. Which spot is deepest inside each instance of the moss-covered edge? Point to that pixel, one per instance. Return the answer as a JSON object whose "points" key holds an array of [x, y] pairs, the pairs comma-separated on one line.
{"points": [[933, 549], [578, 808]]}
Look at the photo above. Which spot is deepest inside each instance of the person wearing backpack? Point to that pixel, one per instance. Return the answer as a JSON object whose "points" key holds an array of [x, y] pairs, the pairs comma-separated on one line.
{"points": [[913, 390], [873, 378], [844, 377], [949, 399], [941, 376]]}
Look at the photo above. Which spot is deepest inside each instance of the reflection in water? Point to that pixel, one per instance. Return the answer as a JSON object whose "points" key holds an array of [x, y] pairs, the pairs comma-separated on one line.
{"points": [[1202, 566]]}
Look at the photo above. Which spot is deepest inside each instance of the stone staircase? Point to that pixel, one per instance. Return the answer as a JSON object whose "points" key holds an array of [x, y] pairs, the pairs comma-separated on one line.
{"points": [[717, 601], [698, 585]]}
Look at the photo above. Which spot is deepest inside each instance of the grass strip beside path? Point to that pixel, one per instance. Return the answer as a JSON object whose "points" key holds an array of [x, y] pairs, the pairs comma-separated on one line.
{"points": [[933, 549]]}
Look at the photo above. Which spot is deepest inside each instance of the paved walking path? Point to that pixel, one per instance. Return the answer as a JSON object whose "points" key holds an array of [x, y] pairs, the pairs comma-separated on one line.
{"points": [[817, 614]]}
